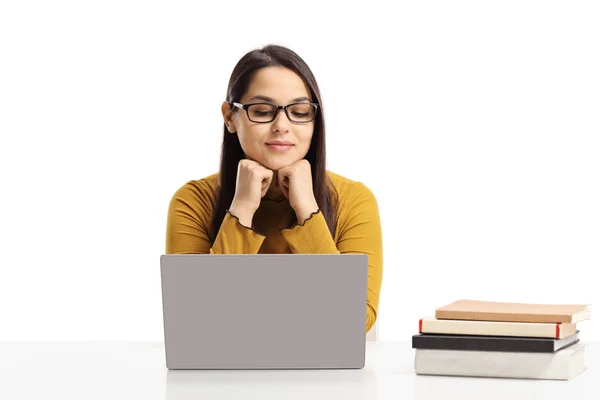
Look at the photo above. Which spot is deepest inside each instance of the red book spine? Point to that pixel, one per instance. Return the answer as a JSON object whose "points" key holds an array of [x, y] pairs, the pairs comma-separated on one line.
{"points": [[421, 325], [557, 331]]}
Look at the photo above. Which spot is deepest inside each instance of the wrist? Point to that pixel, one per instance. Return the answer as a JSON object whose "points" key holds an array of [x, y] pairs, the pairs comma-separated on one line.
{"points": [[243, 215], [304, 213]]}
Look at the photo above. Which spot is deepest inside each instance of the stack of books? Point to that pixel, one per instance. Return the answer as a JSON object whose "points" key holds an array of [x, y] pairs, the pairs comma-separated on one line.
{"points": [[502, 340]]}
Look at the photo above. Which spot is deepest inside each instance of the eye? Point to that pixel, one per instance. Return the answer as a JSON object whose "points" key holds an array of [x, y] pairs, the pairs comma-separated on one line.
{"points": [[262, 109]]}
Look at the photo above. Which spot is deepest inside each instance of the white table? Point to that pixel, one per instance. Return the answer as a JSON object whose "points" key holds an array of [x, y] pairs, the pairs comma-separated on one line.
{"points": [[137, 370]]}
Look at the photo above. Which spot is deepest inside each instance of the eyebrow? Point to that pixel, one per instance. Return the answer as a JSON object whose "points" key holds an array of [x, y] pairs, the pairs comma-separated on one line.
{"points": [[265, 98]]}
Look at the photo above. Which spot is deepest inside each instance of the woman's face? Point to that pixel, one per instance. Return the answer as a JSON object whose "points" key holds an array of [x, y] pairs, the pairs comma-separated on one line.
{"points": [[280, 86]]}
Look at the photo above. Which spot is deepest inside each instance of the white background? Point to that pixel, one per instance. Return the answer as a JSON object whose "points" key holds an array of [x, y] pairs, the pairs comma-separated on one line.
{"points": [[476, 125]]}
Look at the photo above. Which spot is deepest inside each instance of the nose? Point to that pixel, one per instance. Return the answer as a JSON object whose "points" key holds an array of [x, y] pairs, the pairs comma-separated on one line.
{"points": [[281, 122]]}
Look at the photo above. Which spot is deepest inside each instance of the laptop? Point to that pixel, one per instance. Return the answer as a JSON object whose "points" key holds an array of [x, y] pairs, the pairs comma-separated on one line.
{"points": [[264, 311]]}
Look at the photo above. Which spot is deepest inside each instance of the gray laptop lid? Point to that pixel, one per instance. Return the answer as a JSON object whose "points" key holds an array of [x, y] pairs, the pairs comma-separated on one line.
{"points": [[264, 311]]}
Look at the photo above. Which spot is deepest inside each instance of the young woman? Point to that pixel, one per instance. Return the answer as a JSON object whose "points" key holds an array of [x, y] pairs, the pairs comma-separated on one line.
{"points": [[273, 193]]}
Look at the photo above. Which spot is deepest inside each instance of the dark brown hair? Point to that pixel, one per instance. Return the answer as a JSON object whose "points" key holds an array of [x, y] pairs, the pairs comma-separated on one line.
{"points": [[231, 150]]}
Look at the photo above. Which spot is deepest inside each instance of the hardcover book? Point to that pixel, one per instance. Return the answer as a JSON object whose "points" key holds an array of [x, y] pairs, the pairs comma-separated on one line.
{"points": [[562, 365], [496, 328], [492, 343], [514, 312]]}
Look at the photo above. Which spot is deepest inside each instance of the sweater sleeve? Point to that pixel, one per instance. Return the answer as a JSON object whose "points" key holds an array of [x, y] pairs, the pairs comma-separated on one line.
{"points": [[189, 219], [359, 232]]}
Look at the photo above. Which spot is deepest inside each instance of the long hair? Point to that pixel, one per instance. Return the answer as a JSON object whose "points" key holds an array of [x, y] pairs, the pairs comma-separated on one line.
{"points": [[231, 150]]}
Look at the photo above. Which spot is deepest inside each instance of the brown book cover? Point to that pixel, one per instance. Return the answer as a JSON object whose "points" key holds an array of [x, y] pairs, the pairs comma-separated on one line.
{"points": [[477, 310]]}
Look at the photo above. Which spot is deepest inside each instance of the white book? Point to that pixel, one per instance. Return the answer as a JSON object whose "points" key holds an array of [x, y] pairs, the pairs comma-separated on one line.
{"points": [[564, 364]]}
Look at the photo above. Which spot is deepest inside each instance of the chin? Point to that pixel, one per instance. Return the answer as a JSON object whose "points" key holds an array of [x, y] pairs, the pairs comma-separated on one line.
{"points": [[278, 164]]}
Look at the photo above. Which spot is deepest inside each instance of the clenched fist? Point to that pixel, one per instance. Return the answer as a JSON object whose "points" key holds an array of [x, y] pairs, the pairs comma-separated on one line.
{"points": [[253, 182], [297, 185]]}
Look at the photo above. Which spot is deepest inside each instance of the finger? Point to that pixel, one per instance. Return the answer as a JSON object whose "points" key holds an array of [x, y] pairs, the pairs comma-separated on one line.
{"points": [[285, 191], [266, 182], [282, 178], [285, 182], [267, 179]]}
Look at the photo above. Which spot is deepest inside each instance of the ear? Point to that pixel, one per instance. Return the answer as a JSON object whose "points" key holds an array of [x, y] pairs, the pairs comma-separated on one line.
{"points": [[228, 117]]}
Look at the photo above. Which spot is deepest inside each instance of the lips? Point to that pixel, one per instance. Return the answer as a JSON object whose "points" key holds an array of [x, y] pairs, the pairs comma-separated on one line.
{"points": [[280, 143], [279, 146]]}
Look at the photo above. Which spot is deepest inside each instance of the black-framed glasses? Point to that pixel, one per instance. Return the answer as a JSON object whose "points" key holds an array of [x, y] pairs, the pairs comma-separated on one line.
{"points": [[266, 112]]}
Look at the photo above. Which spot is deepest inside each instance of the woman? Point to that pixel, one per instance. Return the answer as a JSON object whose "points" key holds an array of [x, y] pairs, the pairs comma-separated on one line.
{"points": [[273, 193]]}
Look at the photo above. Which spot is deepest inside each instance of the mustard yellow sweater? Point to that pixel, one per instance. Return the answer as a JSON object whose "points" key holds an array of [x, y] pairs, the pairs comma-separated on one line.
{"points": [[275, 229]]}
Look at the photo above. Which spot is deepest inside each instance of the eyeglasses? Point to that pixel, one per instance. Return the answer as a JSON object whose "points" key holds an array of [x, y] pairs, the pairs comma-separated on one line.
{"points": [[266, 112]]}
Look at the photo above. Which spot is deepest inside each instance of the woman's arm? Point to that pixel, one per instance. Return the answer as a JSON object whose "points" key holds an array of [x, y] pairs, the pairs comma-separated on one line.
{"points": [[359, 228], [189, 220]]}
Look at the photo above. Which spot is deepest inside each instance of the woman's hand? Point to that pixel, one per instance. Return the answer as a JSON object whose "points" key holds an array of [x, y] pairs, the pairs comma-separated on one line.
{"points": [[252, 183], [296, 183]]}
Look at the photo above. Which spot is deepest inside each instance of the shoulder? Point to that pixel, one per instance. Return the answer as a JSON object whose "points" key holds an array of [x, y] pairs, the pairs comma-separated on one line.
{"points": [[349, 191], [356, 203], [198, 192]]}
